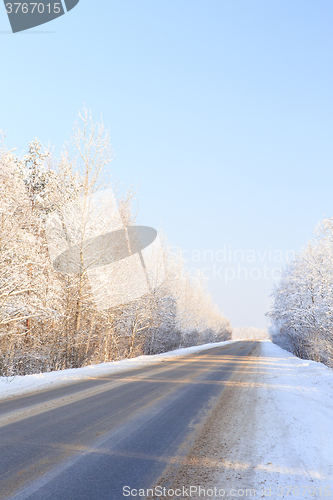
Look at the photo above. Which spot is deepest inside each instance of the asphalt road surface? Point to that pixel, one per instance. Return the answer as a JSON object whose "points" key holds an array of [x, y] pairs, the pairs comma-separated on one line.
{"points": [[88, 440]]}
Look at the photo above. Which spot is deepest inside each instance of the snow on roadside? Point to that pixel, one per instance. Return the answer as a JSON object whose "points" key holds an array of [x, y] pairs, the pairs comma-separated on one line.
{"points": [[295, 439], [21, 385]]}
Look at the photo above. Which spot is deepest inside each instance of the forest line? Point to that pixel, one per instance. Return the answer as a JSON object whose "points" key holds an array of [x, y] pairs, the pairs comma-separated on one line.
{"points": [[49, 319]]}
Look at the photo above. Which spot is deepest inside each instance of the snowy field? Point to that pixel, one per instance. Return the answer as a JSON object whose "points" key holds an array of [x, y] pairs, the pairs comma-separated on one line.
{"points": [[20, 385]]}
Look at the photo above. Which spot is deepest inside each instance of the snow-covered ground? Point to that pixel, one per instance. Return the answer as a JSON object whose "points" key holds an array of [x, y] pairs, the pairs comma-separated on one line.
{"points": [[295, 424], [17, 386], [283, 447]]}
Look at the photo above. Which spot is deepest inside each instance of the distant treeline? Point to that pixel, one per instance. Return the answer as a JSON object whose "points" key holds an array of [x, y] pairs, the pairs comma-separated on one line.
{"points": [[249, 333]]}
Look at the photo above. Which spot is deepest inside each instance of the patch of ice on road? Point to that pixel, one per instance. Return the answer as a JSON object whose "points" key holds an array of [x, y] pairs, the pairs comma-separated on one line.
{"points": [[20, 385]]}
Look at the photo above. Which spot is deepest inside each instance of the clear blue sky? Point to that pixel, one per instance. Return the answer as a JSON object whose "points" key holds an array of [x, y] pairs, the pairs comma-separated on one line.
{"points": [[222, 110]]}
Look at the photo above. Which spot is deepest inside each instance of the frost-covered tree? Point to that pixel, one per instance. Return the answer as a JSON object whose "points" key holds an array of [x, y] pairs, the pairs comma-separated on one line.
{"points": [[302, 306], [28, 289], [34, 173]]}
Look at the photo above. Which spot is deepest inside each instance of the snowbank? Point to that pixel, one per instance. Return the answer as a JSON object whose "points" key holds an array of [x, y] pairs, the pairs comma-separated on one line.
{"points": [[20, 385], [295, 410]]}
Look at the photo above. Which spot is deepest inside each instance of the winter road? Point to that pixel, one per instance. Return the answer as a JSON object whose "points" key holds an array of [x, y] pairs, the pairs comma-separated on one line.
{"points": [[90, 439]]}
